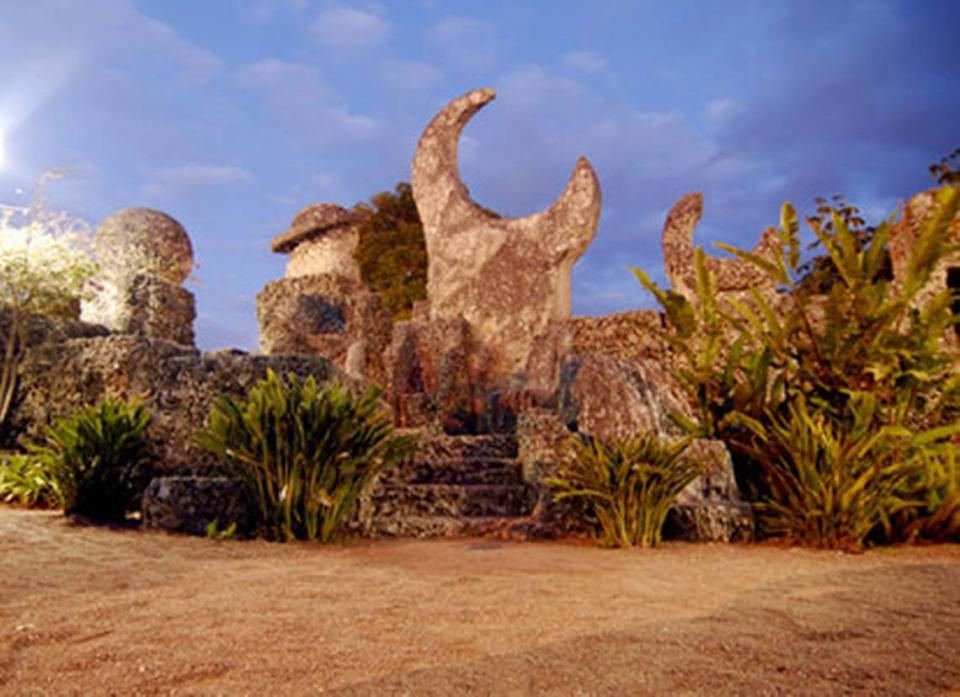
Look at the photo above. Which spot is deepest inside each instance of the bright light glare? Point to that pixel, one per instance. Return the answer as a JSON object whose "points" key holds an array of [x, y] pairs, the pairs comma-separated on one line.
{"points": [[3, 152]]}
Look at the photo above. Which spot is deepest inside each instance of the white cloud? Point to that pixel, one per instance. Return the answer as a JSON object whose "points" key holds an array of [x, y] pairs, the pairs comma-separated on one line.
{"points": [[468, 42], [340, 27], [584, 61], [291, 84], [205, 174], [265, 10], [532, 87], [404, 75], [721, 110], [196, 64], [301, 99], [167, 182], [48, 44]]}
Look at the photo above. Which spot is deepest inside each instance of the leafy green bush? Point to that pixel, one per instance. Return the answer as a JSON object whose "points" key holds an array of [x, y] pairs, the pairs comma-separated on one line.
{"points": [[846, 394], [629, 486], [25, 480], [97, 459], [304, 452]]}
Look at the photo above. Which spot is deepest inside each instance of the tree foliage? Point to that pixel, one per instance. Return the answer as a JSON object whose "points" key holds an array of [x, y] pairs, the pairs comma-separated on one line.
{"points": [[392, 253]]}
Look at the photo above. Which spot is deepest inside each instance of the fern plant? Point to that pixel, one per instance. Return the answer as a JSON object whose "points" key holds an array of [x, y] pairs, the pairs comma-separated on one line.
{"points": [[304, 452], [629, 486], [771, 373], [97, 459]]}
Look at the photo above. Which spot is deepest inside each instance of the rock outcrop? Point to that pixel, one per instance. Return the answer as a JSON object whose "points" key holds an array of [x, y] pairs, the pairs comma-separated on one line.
{"points": [[903, 238], [321, 307], [325, 315], [189, 504]]}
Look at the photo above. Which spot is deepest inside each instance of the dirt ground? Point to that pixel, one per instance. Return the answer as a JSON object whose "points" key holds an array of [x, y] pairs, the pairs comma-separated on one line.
{"points": [[88, 610]]}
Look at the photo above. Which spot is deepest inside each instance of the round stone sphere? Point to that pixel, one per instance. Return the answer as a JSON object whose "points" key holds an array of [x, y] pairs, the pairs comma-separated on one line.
{"points": [[142, 240]]}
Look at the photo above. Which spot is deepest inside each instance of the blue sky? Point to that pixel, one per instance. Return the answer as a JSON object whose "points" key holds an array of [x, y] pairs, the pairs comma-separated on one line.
{"points": [[231, 115]]}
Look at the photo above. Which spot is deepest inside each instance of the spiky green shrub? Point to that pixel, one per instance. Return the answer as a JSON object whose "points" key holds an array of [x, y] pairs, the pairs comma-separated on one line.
{"points": [[97, 459], [930, 500], [628, 486], [829, 483], [304, 452], [768, 375], [24, 480]]}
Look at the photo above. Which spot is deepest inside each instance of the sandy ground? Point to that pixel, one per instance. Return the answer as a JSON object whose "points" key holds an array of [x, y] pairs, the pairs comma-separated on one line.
{"points": [[96, 611]]}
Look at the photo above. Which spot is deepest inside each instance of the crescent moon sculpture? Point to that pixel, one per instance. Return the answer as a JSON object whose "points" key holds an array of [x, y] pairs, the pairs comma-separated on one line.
{"points": [[508, 277]]}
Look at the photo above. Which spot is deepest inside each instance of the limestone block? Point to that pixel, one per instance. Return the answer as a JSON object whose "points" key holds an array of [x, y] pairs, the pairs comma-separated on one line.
{"points": [[431, 378], [321, 239], [144, 257], [190, 504], [903, 238], [733, 277]]}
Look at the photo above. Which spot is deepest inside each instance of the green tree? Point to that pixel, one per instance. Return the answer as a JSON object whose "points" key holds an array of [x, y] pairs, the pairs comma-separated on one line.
{"points": [[44, 264], [392, 253]]}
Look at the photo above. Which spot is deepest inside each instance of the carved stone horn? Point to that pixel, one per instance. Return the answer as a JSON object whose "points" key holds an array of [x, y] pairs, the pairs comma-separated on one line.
{"points": [[444, 202], [509, 278]]}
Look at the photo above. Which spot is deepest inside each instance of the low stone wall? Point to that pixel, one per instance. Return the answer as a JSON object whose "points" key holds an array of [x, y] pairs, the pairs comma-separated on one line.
{"points": [[177, 384]]}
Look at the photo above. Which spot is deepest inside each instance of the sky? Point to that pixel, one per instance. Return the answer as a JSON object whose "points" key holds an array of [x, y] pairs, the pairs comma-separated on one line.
{"points": [[232, 115]]}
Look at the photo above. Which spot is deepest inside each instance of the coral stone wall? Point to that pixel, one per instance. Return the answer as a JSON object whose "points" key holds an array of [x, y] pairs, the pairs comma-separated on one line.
{"points": [[177, 384]]}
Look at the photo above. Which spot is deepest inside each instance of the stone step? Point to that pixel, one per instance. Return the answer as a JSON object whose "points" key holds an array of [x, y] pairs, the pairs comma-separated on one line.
{"points": [[420, 470], [436, 526], [485, 447], [455, 500]]}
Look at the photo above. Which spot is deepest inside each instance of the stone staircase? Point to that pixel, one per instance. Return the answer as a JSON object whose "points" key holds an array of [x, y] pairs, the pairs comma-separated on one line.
{"points": [[454, 485]]}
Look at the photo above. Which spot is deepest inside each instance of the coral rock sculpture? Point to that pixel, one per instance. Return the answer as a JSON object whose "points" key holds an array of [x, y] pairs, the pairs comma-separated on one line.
{"points": [[321, 239], [903, 238], [733, 276], [508, 277], [144, 256], [321, 306]]}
